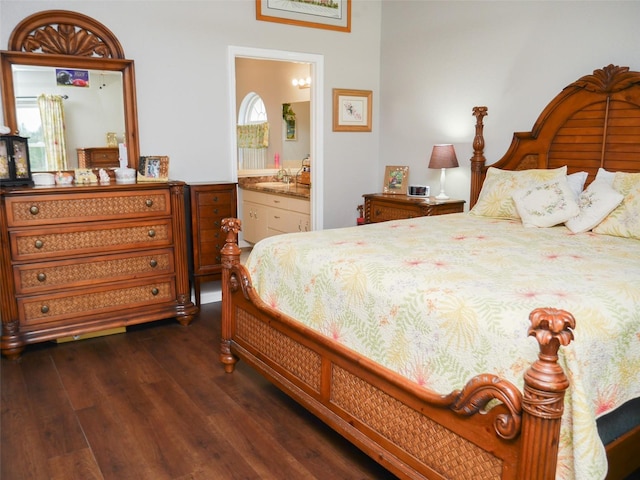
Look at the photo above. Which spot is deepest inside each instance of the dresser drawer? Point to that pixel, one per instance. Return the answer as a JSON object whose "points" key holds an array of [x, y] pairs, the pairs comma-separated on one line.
{"points": [[46, 308], [66, 208], [46, 276], [90, 238]]}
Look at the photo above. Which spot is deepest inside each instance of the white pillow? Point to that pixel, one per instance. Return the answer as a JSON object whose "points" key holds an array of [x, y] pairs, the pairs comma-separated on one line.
{"points": [[624, 221], [605, 176], [596, 202], [546, 204], [576, 182]]}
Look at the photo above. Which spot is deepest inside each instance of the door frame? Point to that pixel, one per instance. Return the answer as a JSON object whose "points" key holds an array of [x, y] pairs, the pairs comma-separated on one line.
{"points": [[317, 117]]}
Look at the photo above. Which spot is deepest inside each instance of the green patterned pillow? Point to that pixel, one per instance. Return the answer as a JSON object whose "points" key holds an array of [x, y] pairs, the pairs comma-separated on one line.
{"points": [[496, 197], [624, 221]]}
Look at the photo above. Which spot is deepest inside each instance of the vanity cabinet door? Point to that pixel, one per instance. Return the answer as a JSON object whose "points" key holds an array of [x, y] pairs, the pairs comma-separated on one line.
{"points": [[255, 221]]}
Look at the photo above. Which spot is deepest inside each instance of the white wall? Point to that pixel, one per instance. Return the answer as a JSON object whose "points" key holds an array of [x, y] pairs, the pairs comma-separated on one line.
{"points": [[440, 59], [180, 50], [427, 62]]}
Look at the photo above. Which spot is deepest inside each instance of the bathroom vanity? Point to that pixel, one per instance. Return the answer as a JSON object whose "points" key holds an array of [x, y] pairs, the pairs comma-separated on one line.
{"points": [[273, 208]]}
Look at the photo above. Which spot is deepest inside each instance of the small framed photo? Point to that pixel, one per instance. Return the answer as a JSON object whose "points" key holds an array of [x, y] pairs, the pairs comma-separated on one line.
{"points": [[328, 15], [352, 110], [153, 169], [396, 180]]}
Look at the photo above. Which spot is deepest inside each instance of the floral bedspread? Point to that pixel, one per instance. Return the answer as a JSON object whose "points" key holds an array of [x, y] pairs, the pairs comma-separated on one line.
{"points": [[441, 299]]}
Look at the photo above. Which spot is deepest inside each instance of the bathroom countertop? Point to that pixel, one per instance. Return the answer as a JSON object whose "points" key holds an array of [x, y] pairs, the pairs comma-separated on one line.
{"points": [[279, 188]]}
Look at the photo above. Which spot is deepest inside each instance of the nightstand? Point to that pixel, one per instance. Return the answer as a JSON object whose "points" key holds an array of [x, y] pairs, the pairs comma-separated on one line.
{"points": [[381, 207]]}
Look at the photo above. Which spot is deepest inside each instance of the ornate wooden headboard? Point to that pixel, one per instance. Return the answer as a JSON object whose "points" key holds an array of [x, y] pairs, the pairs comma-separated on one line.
{"points": [[594, 122]]}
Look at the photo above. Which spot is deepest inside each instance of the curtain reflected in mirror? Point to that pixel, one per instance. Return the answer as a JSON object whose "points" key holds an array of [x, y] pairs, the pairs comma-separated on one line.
{"points": [[53, 131]]}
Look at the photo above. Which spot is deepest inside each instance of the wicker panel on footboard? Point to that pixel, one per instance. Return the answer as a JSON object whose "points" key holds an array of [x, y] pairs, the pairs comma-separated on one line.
{"points": [[406, 436]]}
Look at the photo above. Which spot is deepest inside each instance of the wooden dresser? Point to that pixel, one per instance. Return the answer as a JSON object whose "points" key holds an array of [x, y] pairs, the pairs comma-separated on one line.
{"points": [[82, 259], [98, 157], [381, 207], [210, 203]]}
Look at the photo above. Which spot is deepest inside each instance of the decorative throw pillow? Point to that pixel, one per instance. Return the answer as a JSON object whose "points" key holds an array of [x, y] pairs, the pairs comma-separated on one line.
{"points": [[546, 204], [496, 197], [605, 176], [624, 221], [596, 202], [576, 182]]}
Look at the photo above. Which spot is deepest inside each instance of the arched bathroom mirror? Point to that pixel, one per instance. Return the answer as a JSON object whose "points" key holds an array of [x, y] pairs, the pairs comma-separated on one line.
{"points": [[100, 91]]}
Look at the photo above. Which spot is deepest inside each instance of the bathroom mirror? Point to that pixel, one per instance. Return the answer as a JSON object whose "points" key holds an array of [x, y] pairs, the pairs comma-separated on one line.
{"points": [[48, 42], [298, 146]]}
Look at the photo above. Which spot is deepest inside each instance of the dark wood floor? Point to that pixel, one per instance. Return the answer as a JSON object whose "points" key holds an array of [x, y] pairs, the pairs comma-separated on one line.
{"points": [[155, 404]]}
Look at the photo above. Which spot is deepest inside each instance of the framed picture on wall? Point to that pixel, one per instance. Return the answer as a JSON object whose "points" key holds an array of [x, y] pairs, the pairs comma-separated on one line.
{"points": [[352, 110], [396, 179], [333, 15]]}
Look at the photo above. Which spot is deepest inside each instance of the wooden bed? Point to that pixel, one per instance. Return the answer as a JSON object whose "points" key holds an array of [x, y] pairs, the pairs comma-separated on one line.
{"points": [[416, 433]]}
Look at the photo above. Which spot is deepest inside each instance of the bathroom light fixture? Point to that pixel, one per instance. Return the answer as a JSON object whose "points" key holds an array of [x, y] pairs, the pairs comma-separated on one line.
{"points": [[301, 82], [443, 157]]}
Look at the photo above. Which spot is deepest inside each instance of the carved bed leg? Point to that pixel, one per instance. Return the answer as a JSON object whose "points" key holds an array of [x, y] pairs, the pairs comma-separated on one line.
{"points": [[543, 402], [230, 257]]}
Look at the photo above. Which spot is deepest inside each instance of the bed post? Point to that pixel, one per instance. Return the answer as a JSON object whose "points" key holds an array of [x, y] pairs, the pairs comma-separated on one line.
{"points": [[543, 402], [477, 161], [230, 254]]}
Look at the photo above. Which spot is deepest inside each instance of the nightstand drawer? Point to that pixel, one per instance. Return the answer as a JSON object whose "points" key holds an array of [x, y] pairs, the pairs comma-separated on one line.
{"points": [[380, 207]]}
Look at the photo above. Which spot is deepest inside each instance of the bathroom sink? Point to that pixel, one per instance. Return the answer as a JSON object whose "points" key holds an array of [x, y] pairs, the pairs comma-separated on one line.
{"points": [[271, 184], [277, 185]]}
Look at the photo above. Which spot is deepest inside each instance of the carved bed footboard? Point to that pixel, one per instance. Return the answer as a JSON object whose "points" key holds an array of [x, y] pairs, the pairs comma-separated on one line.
{"points": [[410, 430]]}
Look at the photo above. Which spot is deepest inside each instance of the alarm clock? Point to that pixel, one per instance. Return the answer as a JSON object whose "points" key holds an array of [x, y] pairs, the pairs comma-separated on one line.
{"points": [[418, 191]]}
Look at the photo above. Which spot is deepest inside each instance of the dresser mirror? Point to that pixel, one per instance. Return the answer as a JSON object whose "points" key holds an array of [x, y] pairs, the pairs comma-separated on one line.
{"points": [[99, 92]]}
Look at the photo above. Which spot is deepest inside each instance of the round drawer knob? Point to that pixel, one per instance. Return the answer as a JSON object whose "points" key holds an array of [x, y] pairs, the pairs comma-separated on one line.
{"points": [[152, 233], [42, 277], [153, 263], [44, 309], [148, 202], [155, 291], [34, 210], [38, 244]]}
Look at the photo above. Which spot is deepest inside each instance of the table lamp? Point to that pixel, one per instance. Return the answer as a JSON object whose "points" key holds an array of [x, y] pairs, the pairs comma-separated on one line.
{"points": [[443, 157]]}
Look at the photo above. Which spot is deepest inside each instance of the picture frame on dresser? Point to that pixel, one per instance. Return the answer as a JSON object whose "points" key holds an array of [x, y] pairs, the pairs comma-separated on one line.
{"points": [[396, 179], [153, 169]]}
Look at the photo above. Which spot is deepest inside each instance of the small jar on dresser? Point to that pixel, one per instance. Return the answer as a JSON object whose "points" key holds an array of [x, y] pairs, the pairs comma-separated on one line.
{"points": [[382, 207]]}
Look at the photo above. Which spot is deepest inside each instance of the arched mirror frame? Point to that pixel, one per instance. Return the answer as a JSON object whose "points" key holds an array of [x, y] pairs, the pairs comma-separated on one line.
{"points": [[55, 37]]}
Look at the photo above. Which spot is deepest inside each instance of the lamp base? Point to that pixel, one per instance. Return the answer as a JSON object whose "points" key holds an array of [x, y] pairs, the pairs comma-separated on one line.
{"points": [[442, 196]]}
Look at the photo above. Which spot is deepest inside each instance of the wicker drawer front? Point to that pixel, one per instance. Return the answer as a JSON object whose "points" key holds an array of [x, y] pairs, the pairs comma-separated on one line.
{"points": [[76, 273], [381, 212], [50, 308], [55, 209], [86, 239]]}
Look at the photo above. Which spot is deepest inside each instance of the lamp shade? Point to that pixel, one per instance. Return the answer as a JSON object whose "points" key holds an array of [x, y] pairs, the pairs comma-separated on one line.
{"points": [[443, 156]]}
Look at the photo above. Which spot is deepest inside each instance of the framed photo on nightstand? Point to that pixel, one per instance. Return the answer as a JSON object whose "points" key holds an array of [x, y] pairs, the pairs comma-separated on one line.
{"points": [[396, 180]]}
